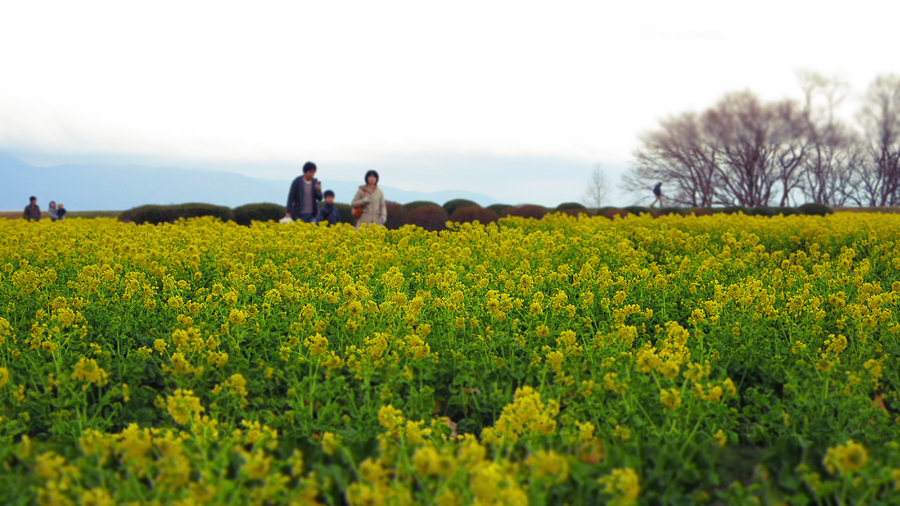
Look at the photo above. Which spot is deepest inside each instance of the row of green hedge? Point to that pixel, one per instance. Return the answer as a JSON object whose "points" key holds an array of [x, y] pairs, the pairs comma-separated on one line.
{"points": [[243, 215], [433, 216], [805, 209], [575, 208]]}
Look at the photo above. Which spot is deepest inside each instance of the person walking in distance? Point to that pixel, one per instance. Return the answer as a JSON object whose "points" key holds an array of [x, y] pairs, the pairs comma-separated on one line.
{"points": [[657, 190], [305, 195], [32, 210], [369, 202]]}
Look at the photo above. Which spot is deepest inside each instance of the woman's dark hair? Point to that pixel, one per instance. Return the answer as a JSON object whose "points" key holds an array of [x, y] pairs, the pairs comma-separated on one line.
{"points": [[308, 166], [371, 173]]}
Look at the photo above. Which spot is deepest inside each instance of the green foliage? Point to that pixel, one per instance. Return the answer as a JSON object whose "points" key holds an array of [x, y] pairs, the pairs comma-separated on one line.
{"points": [[785, 211], [574, 209], [528, 211], [500, 209], [421, 203], [396, 215], [734, 210], [815, 209], [469, 214], [452, 205], [713, 361], [571, 205], [612, 212], [638, 209], [266, 211], [346, 211], [156, 214], [431, 218], [673, 210], [762, 211], [577, 212], [92, 214]]}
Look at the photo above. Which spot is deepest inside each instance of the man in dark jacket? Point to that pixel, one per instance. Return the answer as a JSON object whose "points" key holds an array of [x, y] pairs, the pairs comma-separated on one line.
{"points": [[305, 194], [329, 212], [32, 210]]}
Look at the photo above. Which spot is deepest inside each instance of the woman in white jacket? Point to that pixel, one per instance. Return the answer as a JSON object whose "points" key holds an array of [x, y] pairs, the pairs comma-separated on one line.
{"points": [[370, 198]]}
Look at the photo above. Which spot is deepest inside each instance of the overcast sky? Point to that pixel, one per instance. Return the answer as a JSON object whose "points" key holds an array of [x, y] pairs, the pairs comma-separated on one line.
{"points": [[455, 87]]}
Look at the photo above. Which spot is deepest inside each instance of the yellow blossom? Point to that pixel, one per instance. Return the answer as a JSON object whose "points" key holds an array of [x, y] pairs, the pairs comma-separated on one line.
{"points": [[623, 433], [546, 463], [96, 497], [624, 485], [846, 458], [88, 371], [237, 317], [183, 406], [526, 414], [48, 465], [671, 398], [330, 443], [611, 382], [429, 461], [390, 417]]}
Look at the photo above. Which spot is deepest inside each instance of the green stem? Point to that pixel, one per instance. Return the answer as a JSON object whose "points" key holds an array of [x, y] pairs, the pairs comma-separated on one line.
{"points": [[312, 391], [690, 437]]}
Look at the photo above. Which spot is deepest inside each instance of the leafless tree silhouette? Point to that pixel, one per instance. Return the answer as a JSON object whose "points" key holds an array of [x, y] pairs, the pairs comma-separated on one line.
{"points": [[743, 151], [681, 156], [880, 119], [597, 188], [830, 169]]}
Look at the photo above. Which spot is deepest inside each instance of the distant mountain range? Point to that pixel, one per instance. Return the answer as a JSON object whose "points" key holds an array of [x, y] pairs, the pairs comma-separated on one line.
{"points": [[97, 187]]}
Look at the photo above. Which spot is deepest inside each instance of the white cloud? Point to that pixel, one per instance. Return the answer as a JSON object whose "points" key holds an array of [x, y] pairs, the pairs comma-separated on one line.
{"points": [[351, 82]]}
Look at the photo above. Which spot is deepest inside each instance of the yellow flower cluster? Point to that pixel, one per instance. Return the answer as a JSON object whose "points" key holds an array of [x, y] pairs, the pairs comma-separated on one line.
{"points": [[624, 485], [88, 371], [846, 458], [184, 406], [527, 414], [505, 364]]}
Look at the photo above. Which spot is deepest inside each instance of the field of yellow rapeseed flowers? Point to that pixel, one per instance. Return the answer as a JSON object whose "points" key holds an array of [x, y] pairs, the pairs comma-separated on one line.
{"points": [[679, 360]]}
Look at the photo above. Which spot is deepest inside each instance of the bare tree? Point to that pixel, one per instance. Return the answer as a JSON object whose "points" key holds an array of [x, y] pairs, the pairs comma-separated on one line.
{"points": [[743, 151], [680, 156], [746, 132], [822, 95], [880, 119], [790, 147], [598, 188], [830, 167]]}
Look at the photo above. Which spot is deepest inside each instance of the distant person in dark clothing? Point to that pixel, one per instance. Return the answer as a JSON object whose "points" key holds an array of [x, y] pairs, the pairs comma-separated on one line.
{"points": [[305, 194], [329, 212], [657, 190], [32, 210], [61, 211], [52, 211]]}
